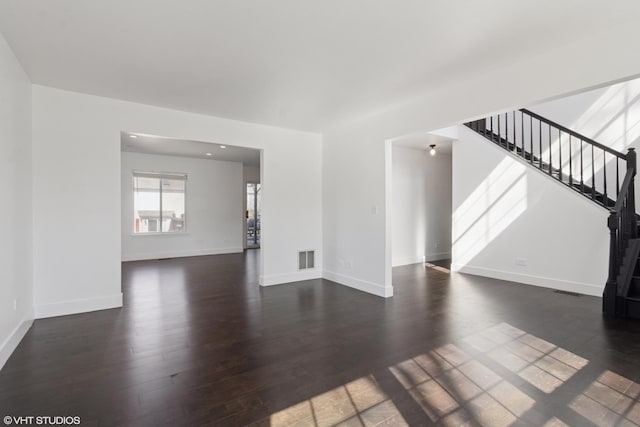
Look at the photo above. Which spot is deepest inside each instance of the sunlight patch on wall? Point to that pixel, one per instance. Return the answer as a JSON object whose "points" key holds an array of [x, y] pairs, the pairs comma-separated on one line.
{"points": [[498, 201]]}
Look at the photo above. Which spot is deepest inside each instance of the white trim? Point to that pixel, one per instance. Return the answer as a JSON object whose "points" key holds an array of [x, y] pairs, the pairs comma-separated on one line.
{"points": [[398, 262], [544, 282], [157, 233], [11, 342], [78, 306], [359, 284], [279, 279], [180, 254], [437, 256]]}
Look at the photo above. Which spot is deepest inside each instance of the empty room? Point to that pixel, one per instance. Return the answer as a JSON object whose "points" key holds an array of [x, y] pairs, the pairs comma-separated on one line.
{"points": [[323, 213]]}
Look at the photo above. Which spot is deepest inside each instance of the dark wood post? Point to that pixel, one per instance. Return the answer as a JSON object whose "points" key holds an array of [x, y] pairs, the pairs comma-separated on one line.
{"points": [[610, 294], [631, 196]]}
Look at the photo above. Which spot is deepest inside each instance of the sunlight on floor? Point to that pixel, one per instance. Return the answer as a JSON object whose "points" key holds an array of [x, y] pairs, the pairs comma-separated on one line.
{"points": [[496, 382], [358, 403], [437, 268], [610, 400]]}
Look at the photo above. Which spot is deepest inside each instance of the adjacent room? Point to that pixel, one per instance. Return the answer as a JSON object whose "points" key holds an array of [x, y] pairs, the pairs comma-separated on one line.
{"points": [[421, 200], [187, 198]]}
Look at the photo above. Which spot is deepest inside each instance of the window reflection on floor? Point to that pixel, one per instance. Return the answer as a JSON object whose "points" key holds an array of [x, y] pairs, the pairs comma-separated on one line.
{"points": [[495, 382], [360, 402]]}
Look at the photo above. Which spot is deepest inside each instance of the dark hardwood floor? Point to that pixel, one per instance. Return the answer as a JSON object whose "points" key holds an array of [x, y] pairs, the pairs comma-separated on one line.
{"points": [[200, 343]]}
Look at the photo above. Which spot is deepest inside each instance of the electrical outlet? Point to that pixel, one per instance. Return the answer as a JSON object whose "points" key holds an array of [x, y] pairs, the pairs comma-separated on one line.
{"points": [[521, 262], [15, 304]]}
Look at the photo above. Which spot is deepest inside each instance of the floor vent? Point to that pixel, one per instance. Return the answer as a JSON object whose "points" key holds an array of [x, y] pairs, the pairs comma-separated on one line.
{"points": [[306, 260], [572, 294]]}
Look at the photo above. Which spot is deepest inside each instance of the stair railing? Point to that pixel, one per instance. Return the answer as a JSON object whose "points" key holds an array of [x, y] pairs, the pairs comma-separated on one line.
{"points": [[623, 227], [584, 165]]}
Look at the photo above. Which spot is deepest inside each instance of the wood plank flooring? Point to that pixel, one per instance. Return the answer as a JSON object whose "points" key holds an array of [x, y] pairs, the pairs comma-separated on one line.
{"points": [[200, 343]]}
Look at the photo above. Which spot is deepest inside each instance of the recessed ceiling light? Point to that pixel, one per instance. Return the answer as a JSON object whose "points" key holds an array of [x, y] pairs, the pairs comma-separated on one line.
{"points": [[223, 146], [133, 136], [209, 154]]}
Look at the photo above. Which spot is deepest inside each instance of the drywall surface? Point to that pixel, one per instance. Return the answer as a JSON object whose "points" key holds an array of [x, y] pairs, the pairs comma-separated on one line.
{"points": [[608, 115], [213, 208], [77, 186], [356, 162], [512, 222], [16, 306], [421, 206]]}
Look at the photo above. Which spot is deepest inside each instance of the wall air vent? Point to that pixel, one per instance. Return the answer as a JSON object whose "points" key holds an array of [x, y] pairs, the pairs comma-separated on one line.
{"points": [[306, 259]]}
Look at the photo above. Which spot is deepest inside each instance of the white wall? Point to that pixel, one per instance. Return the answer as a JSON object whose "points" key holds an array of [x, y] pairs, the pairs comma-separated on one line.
{"points": [[512, 222], [76, 150], [15, 209], [421, 206], [609, 115], [213, 213], [356, 155]]}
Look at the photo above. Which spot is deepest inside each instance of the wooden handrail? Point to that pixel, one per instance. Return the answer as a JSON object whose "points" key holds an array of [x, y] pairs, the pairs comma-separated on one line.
{"points": [[624, 189], [574, 133]]}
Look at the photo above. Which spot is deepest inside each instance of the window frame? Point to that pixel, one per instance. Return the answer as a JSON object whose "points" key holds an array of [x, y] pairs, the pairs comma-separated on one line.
{"points": [[159, 176]]}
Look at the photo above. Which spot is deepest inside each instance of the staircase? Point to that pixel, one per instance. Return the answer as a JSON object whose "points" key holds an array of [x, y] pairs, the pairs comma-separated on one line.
{"points": [[600, 173]]}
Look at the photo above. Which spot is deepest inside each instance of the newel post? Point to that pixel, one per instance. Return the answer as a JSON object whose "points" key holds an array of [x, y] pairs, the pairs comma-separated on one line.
{"points": [[610, 295], [631, 196]]}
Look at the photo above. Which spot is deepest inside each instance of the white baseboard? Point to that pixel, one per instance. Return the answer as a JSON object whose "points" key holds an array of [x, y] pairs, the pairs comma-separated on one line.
{"points": [[359, 284], [9, 345], [544, 282], [279, 279], [418, 259], [437, 256], [78, 306], [398, 262], [180, 254]]}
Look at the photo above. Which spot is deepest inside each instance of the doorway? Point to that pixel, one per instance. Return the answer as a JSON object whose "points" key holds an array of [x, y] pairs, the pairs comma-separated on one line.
{"points": [[253, 223], [421, 191]]}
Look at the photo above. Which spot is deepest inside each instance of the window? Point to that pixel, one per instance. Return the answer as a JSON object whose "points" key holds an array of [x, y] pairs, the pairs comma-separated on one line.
{"points": [[159, 202]]}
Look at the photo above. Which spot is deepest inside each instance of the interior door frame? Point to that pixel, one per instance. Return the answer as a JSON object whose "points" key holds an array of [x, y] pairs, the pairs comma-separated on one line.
{"points": [[246, 210]]}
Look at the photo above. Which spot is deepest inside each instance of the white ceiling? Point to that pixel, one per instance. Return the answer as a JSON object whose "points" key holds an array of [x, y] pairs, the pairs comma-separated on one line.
{"points": [[423, 140], [150, 144], [303, 64]]}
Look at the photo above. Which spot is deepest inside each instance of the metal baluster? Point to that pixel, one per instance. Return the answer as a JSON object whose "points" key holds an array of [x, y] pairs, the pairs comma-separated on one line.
{"points": [[550, 163], [604, 171], [506, 131], [522, 135], [499, 132], [593, 175], [581, 171], [515, 141], [491, 130], [540, 141], [531, 140], [570, 163], [560, 155], [617, 177]]}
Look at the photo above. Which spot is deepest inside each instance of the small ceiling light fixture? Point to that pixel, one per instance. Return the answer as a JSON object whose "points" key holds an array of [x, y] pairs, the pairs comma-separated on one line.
{"points": [[208, 154], [432, 151], [223, 146], [133, 136]]}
